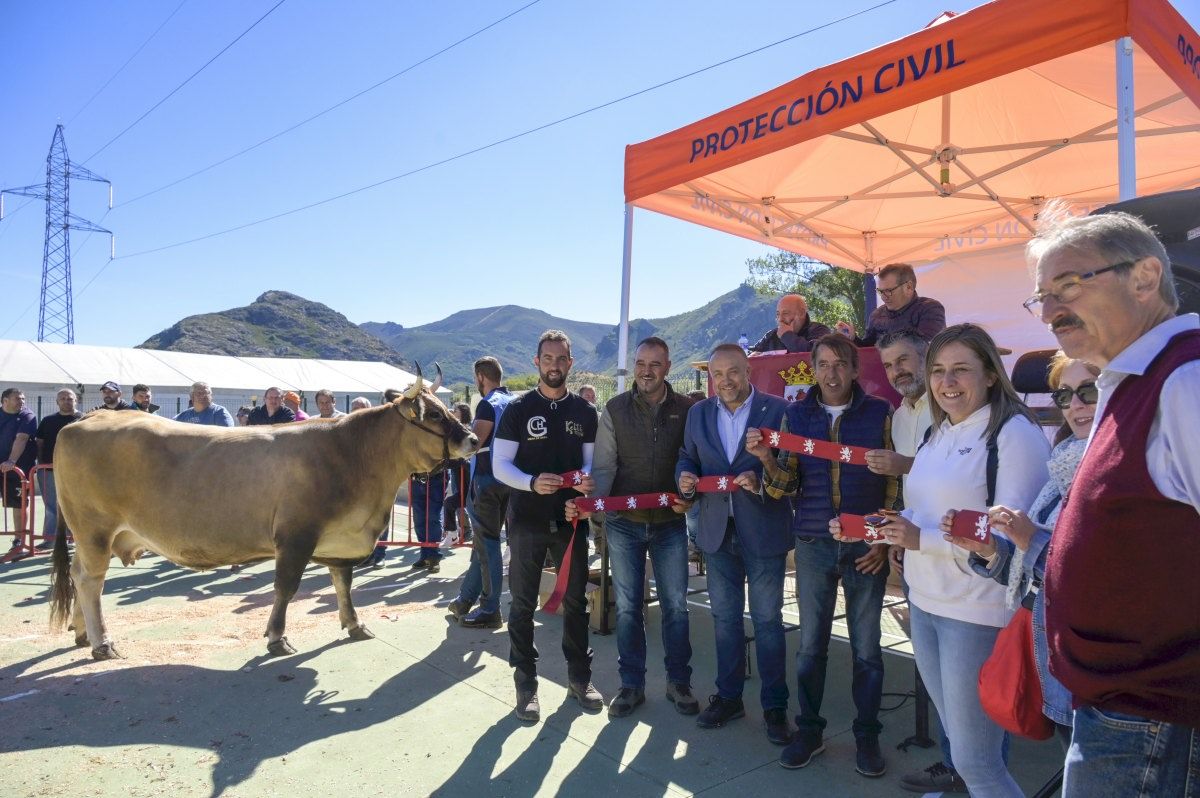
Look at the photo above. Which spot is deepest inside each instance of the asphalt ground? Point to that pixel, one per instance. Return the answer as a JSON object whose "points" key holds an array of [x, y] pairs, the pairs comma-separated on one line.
{"points": [[197, 708]]}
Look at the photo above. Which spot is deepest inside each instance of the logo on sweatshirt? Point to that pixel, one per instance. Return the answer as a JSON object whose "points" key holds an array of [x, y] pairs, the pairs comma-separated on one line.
{"points": [[966, 450], [536, 427]]}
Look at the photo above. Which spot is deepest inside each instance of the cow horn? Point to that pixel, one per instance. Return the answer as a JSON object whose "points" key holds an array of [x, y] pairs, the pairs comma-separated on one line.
{"points": [[437, 382], [415, 389]]}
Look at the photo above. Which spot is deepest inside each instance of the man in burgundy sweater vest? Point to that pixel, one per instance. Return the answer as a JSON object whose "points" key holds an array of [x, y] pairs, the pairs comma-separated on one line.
{"points": [[1123, 576]]}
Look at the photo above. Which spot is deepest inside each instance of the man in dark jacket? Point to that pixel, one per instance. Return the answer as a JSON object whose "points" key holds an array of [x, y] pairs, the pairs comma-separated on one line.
{"points": [[272, 410], [902, 310], [111, 392], [795, 331], [836, 409], [637, 445]]}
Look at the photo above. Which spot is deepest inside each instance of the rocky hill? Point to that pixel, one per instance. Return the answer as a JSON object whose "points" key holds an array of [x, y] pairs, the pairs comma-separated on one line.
{"points": [[277, 324]]}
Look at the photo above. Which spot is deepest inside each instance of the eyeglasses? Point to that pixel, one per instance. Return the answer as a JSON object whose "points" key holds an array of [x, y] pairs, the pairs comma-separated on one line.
{"points": [[886, 293], [1088, 393], [1069, 289]]}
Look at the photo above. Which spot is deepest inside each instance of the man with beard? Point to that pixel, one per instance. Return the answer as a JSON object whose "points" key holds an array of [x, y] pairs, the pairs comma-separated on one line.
{"points": [[46, 437], [1120, 583], [111, 394], [641, 431], [903, 356], [546, 433], [271, 411], [143, 399], [836, 409], [18, 425]]}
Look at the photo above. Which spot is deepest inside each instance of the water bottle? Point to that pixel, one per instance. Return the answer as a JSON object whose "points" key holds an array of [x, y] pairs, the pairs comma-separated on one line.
{"points": [[744, 343]]}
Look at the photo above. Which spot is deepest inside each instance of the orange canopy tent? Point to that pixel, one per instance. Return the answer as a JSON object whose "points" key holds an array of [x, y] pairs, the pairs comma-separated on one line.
{"points": [[940, 147]]}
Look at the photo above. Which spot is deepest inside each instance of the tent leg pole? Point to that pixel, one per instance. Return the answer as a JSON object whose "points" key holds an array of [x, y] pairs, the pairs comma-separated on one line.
{"points": [[626, 268], [1126, 149]]}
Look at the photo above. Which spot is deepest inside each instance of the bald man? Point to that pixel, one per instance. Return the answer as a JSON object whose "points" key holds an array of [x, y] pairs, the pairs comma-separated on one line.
{"points": [[795, 331]]}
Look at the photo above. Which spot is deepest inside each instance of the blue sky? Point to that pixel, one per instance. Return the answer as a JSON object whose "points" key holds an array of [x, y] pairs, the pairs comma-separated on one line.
{"points": [[534, 222]]}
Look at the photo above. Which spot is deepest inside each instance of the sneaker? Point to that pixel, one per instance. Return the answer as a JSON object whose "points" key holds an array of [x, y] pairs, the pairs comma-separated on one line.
{"points": [[681, 696], [459, 607], [16, 544], [478, 619], [801, 750], [628, 699], [776, 721], [720, 711], [528, 709], [869, 759], [935, 778], [587, 695]]}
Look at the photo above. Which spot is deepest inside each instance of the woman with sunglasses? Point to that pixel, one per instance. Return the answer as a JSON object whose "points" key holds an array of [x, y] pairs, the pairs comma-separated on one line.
{"points": [[955, 616], [1018, 559]]}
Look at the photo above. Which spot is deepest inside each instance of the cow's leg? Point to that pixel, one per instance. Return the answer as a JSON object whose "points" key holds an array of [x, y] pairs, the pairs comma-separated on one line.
{"points": [[291, 556], [341, 575], [77, 621], [92, 554]]}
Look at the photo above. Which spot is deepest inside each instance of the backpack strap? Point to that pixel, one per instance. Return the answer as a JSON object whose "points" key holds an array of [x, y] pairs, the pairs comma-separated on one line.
{"points": [[993, 463]]}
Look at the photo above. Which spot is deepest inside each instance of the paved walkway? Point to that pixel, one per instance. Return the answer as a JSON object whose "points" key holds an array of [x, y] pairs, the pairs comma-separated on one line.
{"points": [[424, 709]]}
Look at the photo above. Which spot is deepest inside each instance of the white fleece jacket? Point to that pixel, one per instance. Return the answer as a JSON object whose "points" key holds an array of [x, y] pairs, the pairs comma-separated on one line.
{"points": [[950, 473]]}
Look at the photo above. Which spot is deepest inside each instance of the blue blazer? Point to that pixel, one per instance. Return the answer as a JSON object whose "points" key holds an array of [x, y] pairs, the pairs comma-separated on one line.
{"points": [[764, 525]]}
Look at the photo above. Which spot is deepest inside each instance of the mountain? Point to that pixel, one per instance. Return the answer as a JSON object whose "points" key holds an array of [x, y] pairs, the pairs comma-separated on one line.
{"points": [[277, 324], [508, 333]]}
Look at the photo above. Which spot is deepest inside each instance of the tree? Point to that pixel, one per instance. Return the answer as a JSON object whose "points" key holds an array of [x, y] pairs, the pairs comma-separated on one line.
{"points": [[832, 294]]}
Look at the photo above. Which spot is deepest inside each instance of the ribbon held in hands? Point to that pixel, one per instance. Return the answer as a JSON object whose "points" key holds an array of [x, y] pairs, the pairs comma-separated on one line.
{"points": [[571, 479], [814, 447], [717, 484], [639, 501]]}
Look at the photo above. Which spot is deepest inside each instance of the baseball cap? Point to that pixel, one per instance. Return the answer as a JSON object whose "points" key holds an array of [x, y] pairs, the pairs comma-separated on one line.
{"points": [[292, 396], [111, 386]]}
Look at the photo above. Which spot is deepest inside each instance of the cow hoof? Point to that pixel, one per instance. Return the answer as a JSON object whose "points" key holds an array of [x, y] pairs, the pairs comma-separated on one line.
{"points": [[280, 648], [81, 641], [106, 651], [361, 633]]}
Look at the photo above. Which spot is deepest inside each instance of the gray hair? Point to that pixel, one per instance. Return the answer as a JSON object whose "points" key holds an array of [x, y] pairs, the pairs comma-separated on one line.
{"points": [[903, 337], [359, 403], [201, 386], [61, 391], [1114, 237]]}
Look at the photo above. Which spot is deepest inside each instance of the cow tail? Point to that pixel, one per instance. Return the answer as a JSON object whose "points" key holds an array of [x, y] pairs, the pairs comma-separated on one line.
{"points": [[62, 590]]}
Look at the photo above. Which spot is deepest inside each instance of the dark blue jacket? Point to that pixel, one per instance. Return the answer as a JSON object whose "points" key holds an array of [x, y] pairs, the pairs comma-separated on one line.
{"points": [[864, 423]]}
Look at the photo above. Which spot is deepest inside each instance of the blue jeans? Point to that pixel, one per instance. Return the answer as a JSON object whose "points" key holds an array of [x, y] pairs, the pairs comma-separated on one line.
{"points": [[1113, 753], [473, 586], [820, 563], [45, 480], [949, 654], [730, 568], [666, 543], [426, 503]]}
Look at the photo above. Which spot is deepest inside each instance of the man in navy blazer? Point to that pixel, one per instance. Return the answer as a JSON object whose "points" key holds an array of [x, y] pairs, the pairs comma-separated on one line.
{"points": [[745, 535]]}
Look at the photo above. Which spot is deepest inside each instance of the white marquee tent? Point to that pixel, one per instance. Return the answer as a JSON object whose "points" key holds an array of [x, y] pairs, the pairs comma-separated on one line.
{"points": [[40, 369]]}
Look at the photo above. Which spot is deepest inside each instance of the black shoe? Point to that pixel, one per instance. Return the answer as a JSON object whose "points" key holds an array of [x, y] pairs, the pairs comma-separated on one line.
{"points": [[935, 778], [776, 721], [528, 709], [803, 748], [374, 559], [681, 696], [627, 700], [45, 547], [720, 711], [478, 619], [16, 544], [459, 607], [433, 566], [587, 695], [869, 759], [421, 564]]}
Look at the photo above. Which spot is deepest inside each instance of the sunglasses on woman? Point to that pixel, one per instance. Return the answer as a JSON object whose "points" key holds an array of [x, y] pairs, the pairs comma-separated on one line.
{"points": [[1088, 393]]}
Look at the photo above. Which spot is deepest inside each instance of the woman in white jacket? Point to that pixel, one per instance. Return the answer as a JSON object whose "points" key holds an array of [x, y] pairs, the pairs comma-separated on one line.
{"points": [[955, 615]]}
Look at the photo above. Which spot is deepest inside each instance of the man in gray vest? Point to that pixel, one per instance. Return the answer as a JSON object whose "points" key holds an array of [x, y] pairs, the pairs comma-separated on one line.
{"points": [[637, 446]]}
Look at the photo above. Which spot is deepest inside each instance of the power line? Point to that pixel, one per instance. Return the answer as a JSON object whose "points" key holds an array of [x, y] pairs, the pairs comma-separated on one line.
{"points": [[333, 107], [127, 62], [504, 140], [185, 82]]}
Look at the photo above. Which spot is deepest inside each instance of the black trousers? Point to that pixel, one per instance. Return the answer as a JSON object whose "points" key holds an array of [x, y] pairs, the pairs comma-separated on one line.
{"points": [[529, 544]]}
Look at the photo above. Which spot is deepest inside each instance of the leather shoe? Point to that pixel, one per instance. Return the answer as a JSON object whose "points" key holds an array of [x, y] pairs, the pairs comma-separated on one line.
{"points": [[776, 721], [587, 695], [720, 711], [628, 699], [801, 750], [459, 607], [869, 759], [681, 696], [478, 619], [528, 709]]}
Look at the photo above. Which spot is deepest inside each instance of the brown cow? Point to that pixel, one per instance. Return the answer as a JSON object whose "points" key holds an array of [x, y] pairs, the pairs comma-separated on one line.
{"points": [[210, 496]]}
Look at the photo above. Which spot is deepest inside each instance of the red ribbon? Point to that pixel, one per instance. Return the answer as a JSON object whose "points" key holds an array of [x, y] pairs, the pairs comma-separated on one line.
{"points": [[639, 501], [814, 447], [717, 484], [564, 574], [571, 479]]}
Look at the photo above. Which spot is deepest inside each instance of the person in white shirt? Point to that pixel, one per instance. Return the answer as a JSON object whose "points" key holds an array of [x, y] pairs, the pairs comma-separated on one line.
{"points": [[956, 616]]}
